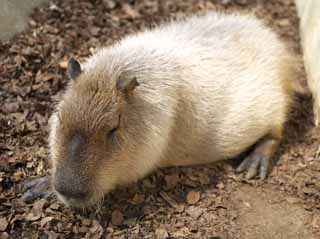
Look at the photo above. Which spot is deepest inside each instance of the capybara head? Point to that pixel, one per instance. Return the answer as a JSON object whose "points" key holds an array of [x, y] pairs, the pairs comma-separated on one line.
{"points": [[91, 137]]}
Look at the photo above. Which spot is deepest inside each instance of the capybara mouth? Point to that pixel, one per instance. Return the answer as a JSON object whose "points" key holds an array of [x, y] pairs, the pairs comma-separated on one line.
{"points": [[89, 201]]}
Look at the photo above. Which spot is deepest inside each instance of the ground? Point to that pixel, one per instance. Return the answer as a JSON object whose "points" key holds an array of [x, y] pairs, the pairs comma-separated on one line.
{"points": [[192, 202]]}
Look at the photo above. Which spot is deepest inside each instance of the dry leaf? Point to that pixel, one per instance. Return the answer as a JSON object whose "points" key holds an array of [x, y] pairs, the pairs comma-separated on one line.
{"points": [[38, 206], [316, 221], [292, 200], [130, 11], [117, 218], [10, 107], [31, 217], [172, 202], [63, 64], [283, 22], [161, 233], [3, 224], [45, 220], [193, 197], [52, 235], [86, 222], [95, 232], [194, 212], [4, 235], [137, 199], [182, 233], [171, 180]]}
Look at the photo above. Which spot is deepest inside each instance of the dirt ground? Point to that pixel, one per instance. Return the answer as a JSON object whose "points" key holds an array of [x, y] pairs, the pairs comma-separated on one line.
{"points": [[193, 202], [14, 16]]}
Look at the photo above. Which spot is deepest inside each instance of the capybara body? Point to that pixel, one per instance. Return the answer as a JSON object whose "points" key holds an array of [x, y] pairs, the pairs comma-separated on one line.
{"points": [[192, 91]]}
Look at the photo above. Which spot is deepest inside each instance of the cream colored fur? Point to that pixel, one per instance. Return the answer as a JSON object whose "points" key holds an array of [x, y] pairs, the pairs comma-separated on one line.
{"points": [[210, 87]]}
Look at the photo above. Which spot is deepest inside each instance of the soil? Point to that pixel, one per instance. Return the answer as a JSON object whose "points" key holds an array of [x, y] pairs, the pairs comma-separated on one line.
{"points": [[191, 202], [14, 16]]}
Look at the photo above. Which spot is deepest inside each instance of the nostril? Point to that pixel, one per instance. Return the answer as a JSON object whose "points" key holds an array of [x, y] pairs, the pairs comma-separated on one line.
{"points": [[71, 192]]}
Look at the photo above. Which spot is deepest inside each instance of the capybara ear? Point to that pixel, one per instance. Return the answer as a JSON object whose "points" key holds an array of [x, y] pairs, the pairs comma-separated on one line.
{"points": [[127, 84], [74, 68]]}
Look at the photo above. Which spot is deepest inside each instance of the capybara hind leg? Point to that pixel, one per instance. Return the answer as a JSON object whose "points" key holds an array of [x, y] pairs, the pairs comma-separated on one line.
{"points": [[258, 161]]}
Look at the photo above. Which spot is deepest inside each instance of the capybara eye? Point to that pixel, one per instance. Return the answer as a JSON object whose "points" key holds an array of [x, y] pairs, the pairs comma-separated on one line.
{"points": [[111, 133]]}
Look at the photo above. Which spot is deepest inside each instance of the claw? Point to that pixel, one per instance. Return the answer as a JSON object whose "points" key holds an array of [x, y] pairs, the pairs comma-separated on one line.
{"points": [[244, 165], [37, 188], [264, 166], [32, 183], [254, 164], [253, 167]]}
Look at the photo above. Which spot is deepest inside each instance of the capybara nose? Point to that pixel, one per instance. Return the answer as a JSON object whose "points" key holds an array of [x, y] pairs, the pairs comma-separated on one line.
{"points": [[71, 191]]}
